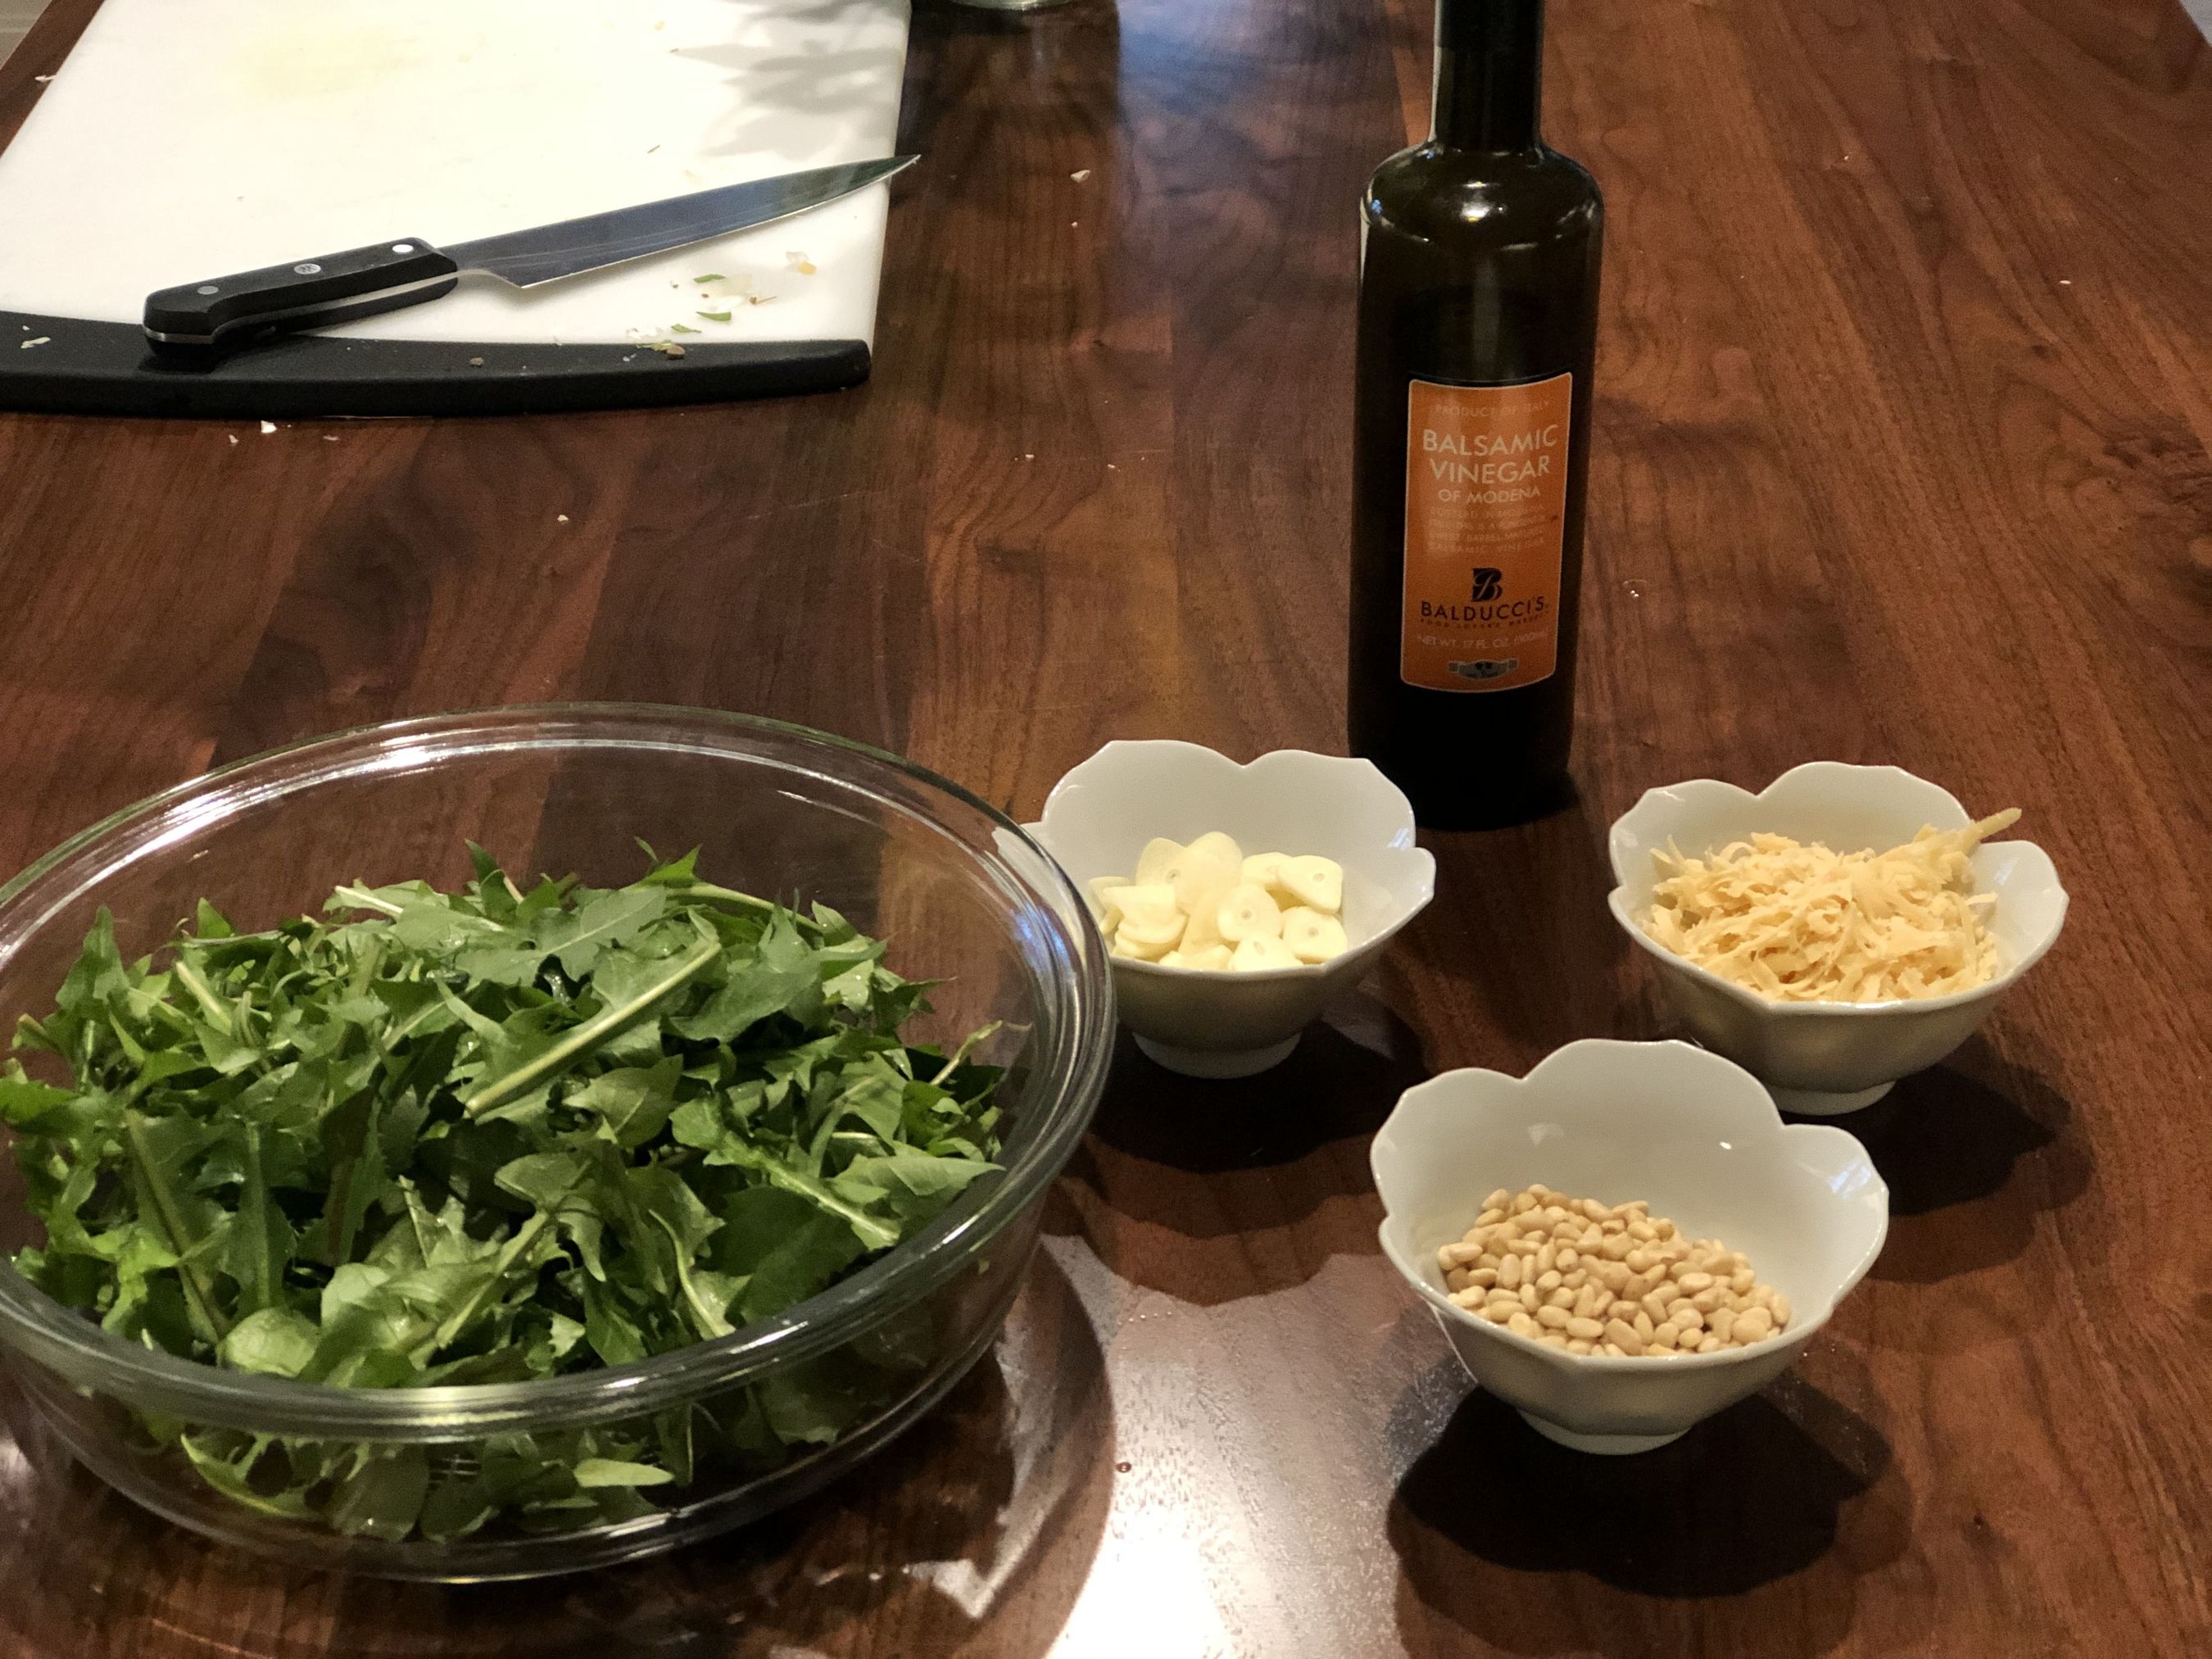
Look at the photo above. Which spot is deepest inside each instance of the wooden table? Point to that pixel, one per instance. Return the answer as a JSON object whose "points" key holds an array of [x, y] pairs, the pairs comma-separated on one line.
{"points": [[1902, 422]]}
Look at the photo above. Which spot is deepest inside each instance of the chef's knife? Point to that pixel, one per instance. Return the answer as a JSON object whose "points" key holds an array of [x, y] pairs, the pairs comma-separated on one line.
{"points": [[363, 281]]}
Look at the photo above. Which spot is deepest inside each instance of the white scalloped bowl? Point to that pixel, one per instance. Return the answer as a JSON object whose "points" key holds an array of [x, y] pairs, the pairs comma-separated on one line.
{"points": [[1825, 1058], [1207, 1023], [1693, 1134]]}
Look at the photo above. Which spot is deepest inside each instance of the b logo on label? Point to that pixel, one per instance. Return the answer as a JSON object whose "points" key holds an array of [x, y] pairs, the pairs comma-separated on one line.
{"points": [[1487, 582]]}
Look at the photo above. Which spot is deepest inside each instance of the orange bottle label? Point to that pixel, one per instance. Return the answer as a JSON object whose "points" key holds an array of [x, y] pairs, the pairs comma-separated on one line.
{"points": [[1485, 522]]}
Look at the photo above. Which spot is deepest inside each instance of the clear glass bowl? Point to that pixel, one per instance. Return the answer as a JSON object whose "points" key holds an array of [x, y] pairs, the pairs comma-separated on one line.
{"points": [[961, 894]]}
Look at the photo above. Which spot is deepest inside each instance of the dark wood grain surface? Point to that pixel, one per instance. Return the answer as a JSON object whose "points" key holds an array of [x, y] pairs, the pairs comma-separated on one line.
{"points": [[1904, 413]]}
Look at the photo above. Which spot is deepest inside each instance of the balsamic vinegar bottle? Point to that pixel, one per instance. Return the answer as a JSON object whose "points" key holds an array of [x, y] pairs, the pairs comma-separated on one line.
{"points": [[1478, 319]]}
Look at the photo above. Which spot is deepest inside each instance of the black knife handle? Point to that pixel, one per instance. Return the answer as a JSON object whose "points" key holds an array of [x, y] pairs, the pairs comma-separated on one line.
{"points": [[335, 287]]}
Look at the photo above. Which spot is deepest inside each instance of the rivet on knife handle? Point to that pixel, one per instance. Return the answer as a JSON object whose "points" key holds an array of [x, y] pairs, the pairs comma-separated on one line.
{"points": [[305, 294]]}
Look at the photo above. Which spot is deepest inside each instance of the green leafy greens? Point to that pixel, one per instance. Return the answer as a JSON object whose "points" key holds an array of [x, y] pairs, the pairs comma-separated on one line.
{"points": [[489, 1136]]}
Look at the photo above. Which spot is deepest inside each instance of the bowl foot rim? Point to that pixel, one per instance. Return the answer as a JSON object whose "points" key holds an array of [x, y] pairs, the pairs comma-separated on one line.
{"points": [[1603, 1445], [1821, 1103], [1219, 1062]]}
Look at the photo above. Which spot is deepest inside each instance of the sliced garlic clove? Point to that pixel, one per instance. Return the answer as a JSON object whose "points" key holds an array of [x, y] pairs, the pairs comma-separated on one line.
{"points": [[1260, 952], [1150, 905], [1159, 857], [1266, 870], [1219, 848], [1312, 936], [1105, 902], [1151, 940], [1148, 941], [1211, 957], [1208, 867], [1204, 927], [1317, 883], [1247, 912]]}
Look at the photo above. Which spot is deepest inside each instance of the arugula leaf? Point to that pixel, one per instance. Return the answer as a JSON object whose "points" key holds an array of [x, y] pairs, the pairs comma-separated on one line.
{"points": [[487, 1135]]}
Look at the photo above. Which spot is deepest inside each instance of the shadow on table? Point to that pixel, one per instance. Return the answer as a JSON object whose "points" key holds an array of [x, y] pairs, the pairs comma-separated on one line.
{"points": [[1520, 921], [1493, 1524], [1338, 1084], [1211, 1191], [988, 1511], [1972, 1151]]}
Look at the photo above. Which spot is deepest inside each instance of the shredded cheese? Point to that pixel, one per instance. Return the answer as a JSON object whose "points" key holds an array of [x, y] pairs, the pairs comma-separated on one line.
{"points": [[1801, 923]]}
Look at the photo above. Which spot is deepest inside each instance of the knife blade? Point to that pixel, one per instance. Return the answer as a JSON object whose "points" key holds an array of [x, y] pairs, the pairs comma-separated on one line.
{"points": [[197, 316]]}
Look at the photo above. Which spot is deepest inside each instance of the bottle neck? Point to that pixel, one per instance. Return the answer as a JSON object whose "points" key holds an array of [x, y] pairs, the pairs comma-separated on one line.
{"points": [[1490, 74]]}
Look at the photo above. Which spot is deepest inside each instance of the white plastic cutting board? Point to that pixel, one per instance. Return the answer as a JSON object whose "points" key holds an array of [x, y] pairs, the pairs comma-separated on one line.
{"points": [[191, 138]]}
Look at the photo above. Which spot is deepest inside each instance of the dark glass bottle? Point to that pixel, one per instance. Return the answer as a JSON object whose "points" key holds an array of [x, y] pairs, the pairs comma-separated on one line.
{"points": [[1477, 321]]}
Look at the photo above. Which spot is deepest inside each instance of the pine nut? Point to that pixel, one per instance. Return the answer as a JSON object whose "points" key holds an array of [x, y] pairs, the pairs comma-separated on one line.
{"points": [[1581, 1275]]}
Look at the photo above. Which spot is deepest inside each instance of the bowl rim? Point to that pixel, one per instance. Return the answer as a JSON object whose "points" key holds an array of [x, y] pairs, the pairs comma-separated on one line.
{"points": [[1402, 841], [33, 1324], [1617, 902], [1800, 1331]]}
